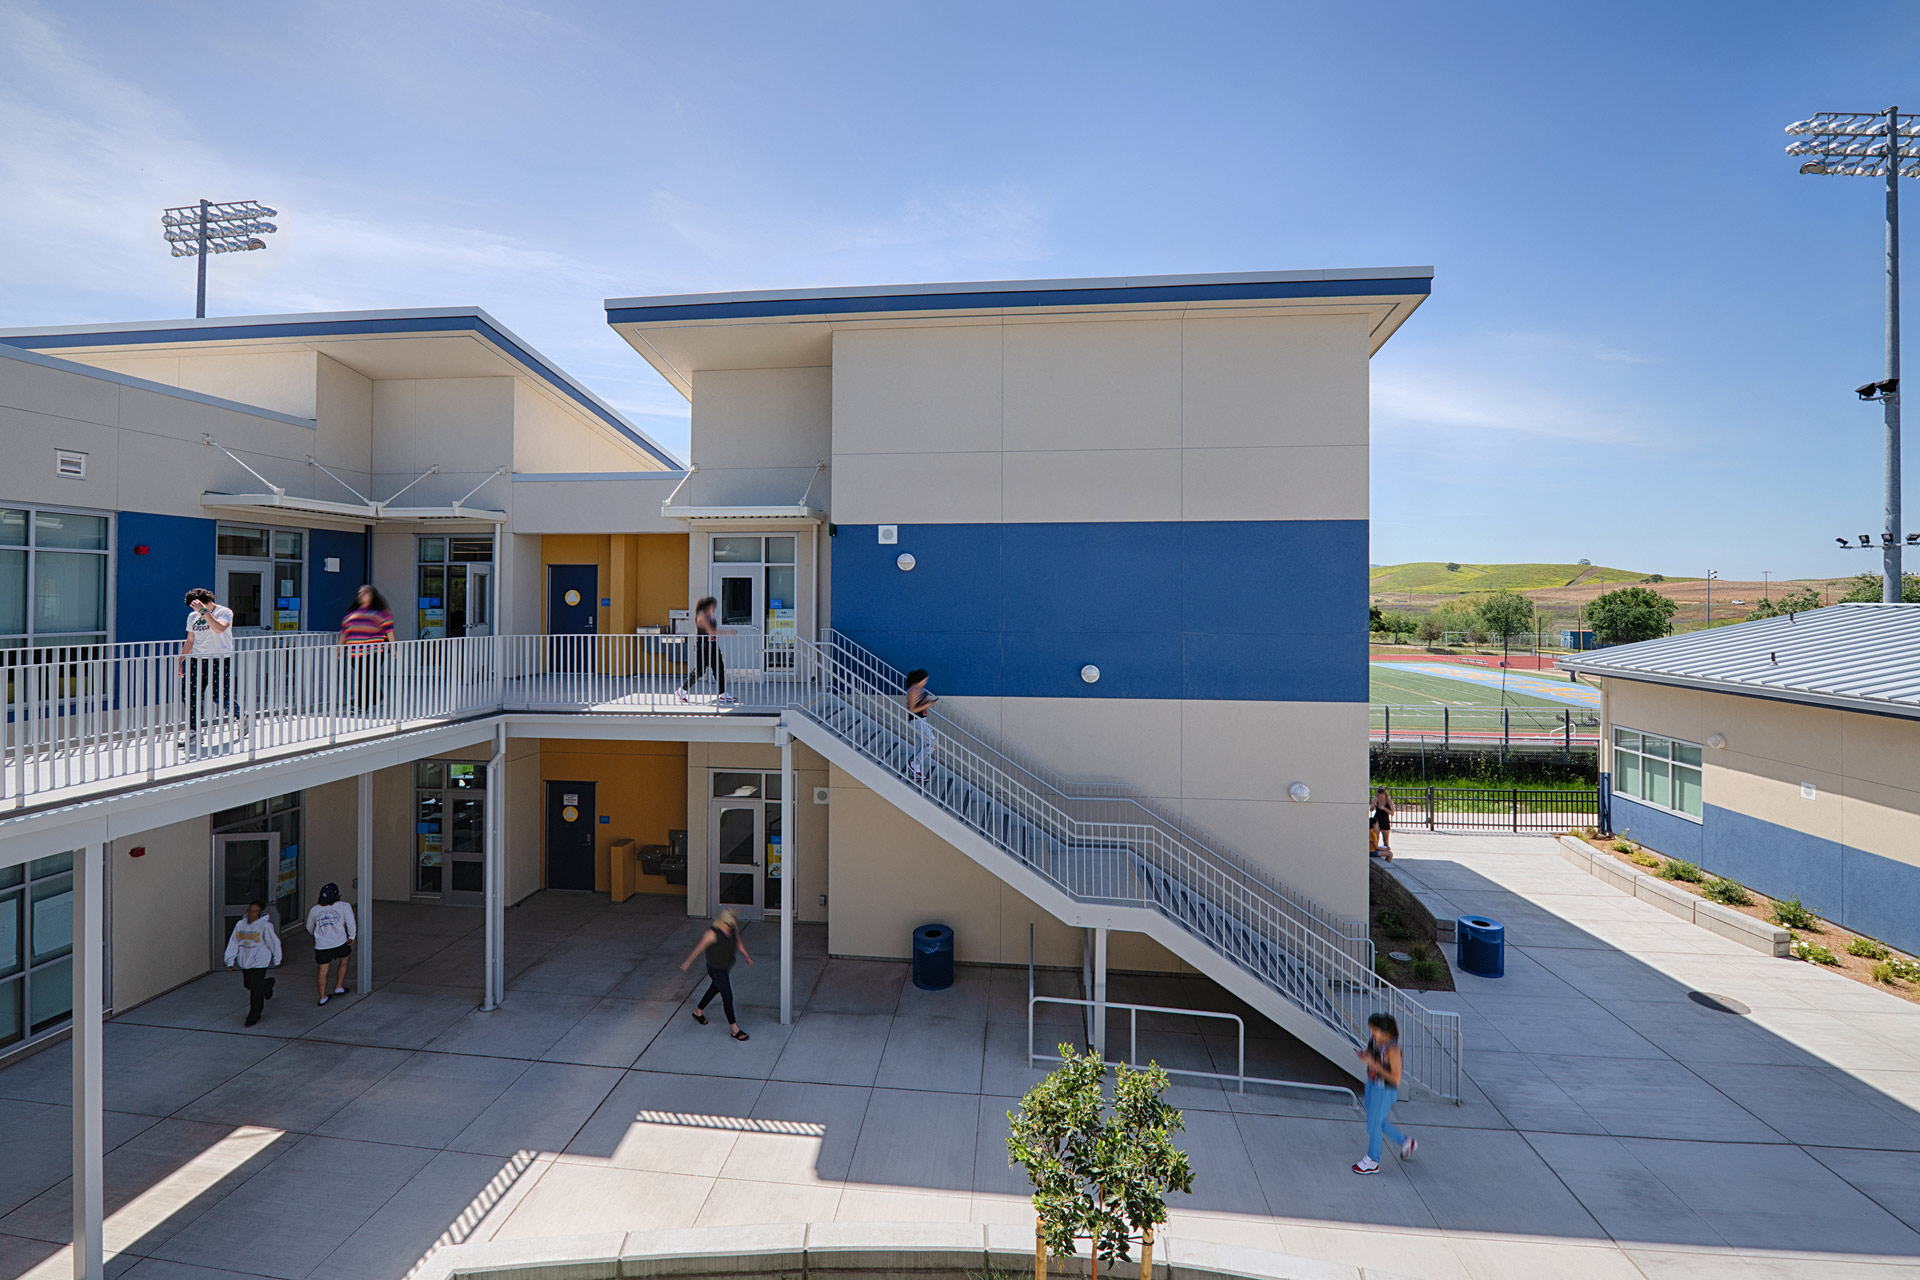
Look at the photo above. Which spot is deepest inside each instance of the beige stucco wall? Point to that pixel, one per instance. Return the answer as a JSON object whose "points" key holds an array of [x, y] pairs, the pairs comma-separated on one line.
{"points": [[889, 875], [758, 434], [1865, 769], [550, 434], [161, 923]]}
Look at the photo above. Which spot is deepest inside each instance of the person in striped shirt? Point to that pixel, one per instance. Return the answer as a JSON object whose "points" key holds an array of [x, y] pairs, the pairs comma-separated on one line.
{"points": [[368, 625]]}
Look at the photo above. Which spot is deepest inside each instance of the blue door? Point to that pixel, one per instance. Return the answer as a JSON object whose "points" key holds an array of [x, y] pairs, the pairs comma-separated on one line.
{"points": [[573, 608]]}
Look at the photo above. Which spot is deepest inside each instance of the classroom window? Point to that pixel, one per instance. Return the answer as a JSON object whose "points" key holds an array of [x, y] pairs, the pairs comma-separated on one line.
{"points": [[1663, 772], [455, 586], [53, 577], [36, 948]]}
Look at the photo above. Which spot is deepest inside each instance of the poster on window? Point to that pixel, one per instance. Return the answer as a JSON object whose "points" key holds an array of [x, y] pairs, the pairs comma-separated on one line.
{"points": [[780, 625], [286, 613], [287, 883], [773, 858]]}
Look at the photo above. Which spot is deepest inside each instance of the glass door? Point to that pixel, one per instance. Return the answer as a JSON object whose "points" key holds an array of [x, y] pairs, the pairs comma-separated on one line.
{"points": [[479, 599], [738, 592], [738, 834], [242, 588], [249, 868]]}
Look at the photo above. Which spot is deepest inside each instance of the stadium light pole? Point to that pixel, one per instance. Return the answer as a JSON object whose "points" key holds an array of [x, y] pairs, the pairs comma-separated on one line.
{"points": [[232, 226], [1873, 144]]}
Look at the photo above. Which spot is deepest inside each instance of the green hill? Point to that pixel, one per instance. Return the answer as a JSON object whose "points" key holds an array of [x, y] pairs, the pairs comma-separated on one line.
{"points": [[1434, 578]]}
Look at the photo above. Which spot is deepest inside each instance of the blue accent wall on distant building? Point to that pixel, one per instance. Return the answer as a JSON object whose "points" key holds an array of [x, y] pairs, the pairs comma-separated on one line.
{"points": [[149, 597], [331, 594], [1864, 891], [1231, 610]]}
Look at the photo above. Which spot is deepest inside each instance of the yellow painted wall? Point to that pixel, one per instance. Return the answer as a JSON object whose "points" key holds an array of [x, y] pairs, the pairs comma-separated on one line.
{"points": [[643, 574], [642, 786]]}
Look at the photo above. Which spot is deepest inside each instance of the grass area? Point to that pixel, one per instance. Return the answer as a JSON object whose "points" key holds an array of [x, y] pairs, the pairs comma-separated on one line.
{"points": [[1476, 782], [1432, 577], [1390, 687]]}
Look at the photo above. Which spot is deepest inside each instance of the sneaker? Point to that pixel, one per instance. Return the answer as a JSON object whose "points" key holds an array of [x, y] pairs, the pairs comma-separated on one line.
{"points": [[682, 695], [251, 1019], [339, 991], [725, 699], [324, 999], [1367, 1165], [1407, 1149]]}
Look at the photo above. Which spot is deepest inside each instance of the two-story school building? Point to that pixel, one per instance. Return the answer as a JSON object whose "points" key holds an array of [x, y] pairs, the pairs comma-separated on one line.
{"points": [[1122, 523], [1783, 754]]}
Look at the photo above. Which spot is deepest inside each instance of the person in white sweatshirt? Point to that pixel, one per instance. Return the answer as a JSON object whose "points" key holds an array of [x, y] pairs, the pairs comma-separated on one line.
{"points": [[253, 949], [331, 926]]}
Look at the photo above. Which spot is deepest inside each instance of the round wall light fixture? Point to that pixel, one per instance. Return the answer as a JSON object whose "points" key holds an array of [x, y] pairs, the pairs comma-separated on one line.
{"points": [[906, 561], [1090, 673], [1717, 741], [1298, 791]]}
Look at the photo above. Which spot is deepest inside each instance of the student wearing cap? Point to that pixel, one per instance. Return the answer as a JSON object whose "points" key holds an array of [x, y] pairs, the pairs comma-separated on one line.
{"points": [[331, 926], [253, 949]]}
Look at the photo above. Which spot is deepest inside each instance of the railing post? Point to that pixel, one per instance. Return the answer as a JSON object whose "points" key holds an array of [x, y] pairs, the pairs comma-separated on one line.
{"points": [[1516, 808], [1430, 816]]}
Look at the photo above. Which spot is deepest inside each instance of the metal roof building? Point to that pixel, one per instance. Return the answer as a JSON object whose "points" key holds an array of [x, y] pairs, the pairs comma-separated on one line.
{"points": [[1858, 657]]}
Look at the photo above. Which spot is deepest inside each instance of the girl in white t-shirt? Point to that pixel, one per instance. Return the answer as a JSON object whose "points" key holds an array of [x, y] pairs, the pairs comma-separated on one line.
{"points": [[206, 661]]}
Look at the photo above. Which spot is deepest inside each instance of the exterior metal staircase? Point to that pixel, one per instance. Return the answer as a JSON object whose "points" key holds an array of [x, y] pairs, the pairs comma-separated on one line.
{"points": [[1098, 856]]}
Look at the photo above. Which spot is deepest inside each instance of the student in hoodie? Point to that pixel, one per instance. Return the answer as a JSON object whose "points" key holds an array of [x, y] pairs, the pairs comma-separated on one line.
{"points": [[253, 949], [331, 926]]}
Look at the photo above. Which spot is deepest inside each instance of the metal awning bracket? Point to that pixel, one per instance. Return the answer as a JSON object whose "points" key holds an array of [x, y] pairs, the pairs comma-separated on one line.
{"points": [[278, 492], [380, 507], [314, 462]]}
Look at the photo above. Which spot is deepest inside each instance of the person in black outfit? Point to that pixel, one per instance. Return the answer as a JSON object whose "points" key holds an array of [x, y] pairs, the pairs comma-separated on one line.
{"points": [[706, 652], [720, 942]]}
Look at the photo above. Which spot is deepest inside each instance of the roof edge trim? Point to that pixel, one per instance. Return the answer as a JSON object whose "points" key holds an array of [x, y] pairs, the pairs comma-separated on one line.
{"points": [[143, 384]]}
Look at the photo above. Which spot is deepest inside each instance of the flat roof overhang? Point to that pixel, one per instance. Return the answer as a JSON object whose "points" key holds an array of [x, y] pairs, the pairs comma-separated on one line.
{"points": [[431, 342], [680, 334], [352, 512]]}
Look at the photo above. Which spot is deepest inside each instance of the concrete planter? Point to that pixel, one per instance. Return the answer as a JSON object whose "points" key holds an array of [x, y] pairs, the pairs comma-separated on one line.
{"points": [[1725, 921]]}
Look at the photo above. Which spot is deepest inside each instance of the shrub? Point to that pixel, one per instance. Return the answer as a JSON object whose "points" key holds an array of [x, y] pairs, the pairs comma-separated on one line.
{"points": [[1621, 846], [1868, 948], [1382, 967], [1905, 970], [1728, 892], [1814, 953], [1646, 860], [1394, 924], [1793, 914], [1428, 970], [1679, 869], [1883, 972]]}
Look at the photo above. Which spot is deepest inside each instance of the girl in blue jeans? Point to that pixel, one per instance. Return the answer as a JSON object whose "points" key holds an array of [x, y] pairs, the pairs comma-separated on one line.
{"points": [[1382, 1057]]}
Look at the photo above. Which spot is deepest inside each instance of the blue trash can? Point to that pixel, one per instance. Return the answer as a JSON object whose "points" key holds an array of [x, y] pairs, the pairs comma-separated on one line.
{"points": [[1480, 946], [933, 957]]}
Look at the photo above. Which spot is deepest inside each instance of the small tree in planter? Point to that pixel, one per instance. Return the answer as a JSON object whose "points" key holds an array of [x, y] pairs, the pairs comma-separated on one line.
{"points": [[1098, 1174]]}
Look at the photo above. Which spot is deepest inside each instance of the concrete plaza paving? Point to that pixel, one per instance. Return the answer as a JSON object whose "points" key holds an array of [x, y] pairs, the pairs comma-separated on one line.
{"points": [[1613, 1126]]}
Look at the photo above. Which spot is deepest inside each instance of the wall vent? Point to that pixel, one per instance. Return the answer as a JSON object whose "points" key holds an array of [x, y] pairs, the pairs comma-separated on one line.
{"points": [[70, 463]]}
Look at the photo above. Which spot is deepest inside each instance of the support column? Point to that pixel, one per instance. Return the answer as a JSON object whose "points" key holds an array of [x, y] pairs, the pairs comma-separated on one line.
{"points": [[1100, 991], [89, 1148], [363, 888], [789, 877], [496, 872]]}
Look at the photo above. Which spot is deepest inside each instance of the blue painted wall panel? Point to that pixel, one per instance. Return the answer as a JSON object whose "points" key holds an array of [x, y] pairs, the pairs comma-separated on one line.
{"points": [[1778, 861], [150, 590], [1658, 830], [1880, 894], [1235, 610], [331, 594]]}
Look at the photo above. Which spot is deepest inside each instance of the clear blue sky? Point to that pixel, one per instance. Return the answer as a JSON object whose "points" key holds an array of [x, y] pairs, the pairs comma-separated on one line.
{"points": [[1644, 324]]}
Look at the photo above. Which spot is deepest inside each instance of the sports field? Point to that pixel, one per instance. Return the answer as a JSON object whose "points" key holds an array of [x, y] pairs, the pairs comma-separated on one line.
{"points": [[1392, 684], [1473, 702]]}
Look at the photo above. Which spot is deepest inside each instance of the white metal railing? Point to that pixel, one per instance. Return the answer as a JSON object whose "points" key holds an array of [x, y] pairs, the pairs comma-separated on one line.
{"points": [[1239, 1078], [79, 719], [1240, 917]]}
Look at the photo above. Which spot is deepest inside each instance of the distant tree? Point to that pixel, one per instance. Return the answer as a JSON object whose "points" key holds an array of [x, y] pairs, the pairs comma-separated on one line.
{"points": [[1376, 621], [1452, 567], [1796, 601], [1583, 560], [1658, 577], [1630, 614], [1431, 629], [1504, 613], [1399, 626], [1866, 589]]}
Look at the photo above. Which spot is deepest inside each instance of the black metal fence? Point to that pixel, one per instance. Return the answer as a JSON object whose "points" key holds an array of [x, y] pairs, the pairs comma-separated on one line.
{"points": [[1494, 808]]}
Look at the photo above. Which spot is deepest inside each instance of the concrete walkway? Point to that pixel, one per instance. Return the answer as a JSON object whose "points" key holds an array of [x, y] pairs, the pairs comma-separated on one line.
{"points": [[1614, 1127]]}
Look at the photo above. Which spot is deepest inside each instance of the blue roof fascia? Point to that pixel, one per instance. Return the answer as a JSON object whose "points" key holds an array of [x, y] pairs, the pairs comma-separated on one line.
{"points": [[760, 308], [467, 322]]}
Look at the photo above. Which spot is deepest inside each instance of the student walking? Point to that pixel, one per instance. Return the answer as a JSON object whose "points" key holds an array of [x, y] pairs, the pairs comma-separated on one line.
{"points": [[706, 652], [206, 662], [720, 942], [919, 702], [1382, 1058], [332, 927], [362, 632], [1383, 822], [253, 949]]}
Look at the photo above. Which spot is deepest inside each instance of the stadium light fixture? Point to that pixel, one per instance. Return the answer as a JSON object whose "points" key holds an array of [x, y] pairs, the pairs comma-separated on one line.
{"points": [[231, 226], [1873, 144]]}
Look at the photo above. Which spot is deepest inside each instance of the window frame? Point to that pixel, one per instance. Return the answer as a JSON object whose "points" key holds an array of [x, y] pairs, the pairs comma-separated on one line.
{"points": [[19, 899], [32, 637], [1663, 762]]}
